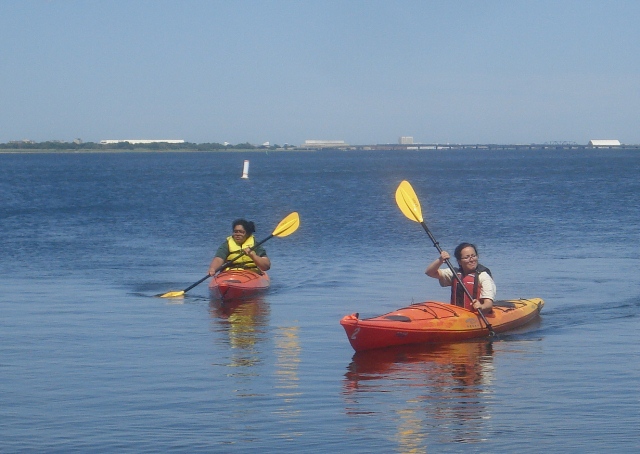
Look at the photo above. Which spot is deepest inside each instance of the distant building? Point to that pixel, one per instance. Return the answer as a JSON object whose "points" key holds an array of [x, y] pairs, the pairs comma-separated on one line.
{"points": [[405, 140], [134, 141], [324, 144], [22, 141], [604, 143]]}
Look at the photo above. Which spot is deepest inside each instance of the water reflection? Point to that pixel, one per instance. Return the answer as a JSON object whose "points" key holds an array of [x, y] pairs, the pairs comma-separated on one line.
{"points": [[439, 391], [287, 341], [244, 322], [252, 344]]}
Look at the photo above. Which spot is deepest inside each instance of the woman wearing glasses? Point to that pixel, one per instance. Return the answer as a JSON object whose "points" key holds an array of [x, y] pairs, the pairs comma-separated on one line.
{"points": [[242, 239], [476, 278]]}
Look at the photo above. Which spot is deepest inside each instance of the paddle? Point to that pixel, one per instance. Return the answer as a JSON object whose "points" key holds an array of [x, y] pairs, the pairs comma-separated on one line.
{"points": [[409, 204], [285, 228]]}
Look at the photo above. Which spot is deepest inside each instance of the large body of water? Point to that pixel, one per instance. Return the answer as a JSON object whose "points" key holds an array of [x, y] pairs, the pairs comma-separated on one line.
{"points": [[92, 361]]}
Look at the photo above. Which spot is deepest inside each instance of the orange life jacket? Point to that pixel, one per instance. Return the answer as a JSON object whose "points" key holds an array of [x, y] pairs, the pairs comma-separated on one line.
{"points": [[458, 295]]}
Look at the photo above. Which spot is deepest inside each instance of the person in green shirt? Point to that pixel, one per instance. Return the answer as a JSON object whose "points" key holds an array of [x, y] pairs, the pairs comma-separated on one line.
{"points": [[241, 239]]}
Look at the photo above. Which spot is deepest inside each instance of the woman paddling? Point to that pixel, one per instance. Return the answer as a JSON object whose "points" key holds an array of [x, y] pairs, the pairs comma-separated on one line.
{"points": [[242, 239], [477, 278]]}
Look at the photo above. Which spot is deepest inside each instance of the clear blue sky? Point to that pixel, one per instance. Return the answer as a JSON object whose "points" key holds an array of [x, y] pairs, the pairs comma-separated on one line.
{"points": [[284, 71]]}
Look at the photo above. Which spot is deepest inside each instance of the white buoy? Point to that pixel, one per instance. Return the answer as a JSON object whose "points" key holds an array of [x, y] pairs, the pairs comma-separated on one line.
{"points": [[245, 169]]}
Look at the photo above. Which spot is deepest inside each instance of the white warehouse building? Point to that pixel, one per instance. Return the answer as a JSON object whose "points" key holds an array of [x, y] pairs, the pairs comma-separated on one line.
{"points": [[134, 141], [604, 143]]}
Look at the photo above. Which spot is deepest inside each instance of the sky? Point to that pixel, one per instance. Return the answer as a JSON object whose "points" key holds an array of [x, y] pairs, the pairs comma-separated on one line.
{"points": [[284, 71]]}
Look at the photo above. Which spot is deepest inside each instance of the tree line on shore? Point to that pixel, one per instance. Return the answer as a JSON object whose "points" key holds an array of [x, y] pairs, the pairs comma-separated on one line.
{"points": [[155, 146]]}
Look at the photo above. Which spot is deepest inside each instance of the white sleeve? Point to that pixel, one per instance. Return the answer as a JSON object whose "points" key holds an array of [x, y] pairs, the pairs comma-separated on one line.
{"points": [[445, 277], [488, 287]]}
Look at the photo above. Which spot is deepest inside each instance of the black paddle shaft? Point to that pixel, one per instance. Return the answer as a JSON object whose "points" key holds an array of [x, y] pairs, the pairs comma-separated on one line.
{"points": [[196, 283], [437, 245]]}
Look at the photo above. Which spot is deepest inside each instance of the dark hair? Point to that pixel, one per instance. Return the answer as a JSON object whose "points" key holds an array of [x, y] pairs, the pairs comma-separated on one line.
{"points": [[461, 246], [249, 226]]}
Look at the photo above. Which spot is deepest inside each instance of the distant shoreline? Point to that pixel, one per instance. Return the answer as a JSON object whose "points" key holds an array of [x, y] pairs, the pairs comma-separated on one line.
{"points": [[347, 148], [143, 150]]}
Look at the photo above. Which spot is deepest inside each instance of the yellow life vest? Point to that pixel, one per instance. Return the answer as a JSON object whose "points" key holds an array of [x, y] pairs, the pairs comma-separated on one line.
{"points": [[243, 262]]}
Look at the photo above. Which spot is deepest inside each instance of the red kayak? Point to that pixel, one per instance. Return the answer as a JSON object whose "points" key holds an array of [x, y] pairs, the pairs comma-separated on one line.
{"points": [[432, 322], [235, 284]]}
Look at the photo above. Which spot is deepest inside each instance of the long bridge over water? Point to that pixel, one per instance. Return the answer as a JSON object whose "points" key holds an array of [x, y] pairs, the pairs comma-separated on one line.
{"points": [[452, 146]]}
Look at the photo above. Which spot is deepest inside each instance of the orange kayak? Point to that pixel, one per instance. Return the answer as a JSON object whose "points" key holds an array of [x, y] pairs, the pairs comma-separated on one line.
{"points": [[432, 322], [235, 284]]}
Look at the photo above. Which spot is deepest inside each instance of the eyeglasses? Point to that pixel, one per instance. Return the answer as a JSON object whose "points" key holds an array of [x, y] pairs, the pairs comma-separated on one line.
{"points": [[468, 257], [240, 231]]}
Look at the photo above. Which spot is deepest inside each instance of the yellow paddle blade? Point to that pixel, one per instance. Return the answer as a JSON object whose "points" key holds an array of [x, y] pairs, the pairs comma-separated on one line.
{"points": [[288, 225], [408, 202], [172, 294]]}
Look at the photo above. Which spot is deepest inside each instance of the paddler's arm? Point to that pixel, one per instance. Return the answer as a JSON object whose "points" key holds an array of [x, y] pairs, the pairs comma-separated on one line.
{"points": [[433, 268], [483, 304], [215, 264], [219, 259], [487, 294], [261, 262]]}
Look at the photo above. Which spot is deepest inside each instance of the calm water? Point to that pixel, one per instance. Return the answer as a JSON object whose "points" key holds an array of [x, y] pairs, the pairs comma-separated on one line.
{"points": [[91, 361]]}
